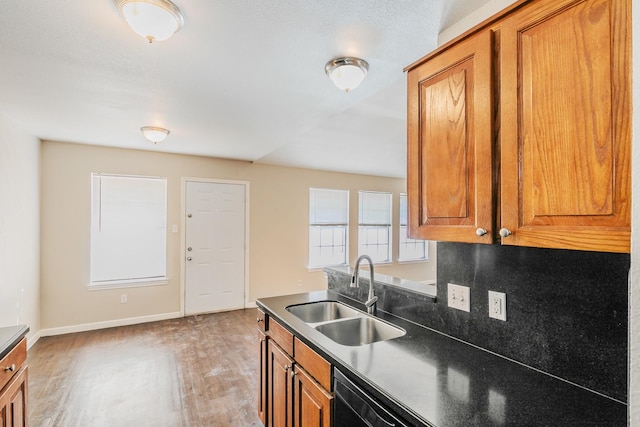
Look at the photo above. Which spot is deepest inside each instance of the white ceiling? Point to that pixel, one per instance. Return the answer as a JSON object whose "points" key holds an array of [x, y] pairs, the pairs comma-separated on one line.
{"points": [[243, 79]]}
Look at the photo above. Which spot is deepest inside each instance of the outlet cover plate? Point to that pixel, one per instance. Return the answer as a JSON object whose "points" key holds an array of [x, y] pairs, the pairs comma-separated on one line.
{"points": [[498, 305], [458, 297]]}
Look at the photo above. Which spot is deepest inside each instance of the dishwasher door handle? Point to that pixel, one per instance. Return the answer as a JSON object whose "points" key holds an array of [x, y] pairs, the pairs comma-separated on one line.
{"points": [[370, 412]]}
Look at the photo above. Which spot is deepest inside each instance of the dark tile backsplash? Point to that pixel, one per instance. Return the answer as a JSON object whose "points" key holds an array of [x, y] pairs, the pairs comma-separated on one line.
{"points": [[566, 310]]}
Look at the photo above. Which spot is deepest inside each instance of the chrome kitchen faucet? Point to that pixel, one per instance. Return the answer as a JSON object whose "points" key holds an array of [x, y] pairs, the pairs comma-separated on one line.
{"points": [[371, 299]]}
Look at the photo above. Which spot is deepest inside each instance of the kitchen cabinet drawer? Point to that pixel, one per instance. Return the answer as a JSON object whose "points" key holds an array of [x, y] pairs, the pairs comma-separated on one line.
{"points": [[313, 363], [262, 321], [12, 362], [281, 336]]}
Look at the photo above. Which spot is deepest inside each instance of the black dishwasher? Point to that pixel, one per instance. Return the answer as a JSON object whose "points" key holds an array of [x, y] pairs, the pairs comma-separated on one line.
{"points": [[354, 408]]}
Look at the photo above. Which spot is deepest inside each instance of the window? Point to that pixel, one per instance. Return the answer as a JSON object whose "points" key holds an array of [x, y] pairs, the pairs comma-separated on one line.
{"points": [[128, 230], [409, 249], [374, 225], [328, 227]]}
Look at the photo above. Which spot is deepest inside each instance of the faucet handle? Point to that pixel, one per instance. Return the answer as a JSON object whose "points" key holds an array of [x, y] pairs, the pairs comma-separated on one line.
{"points": [[371, 301]]}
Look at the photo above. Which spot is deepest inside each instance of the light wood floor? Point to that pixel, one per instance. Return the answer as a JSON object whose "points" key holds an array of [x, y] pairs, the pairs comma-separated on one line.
{"points": [[195, 371]]}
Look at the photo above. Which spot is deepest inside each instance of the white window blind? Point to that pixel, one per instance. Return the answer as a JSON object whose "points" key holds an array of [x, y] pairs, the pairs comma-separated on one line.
{"points": [[128, 229], [409, 249], [374, 225], [328, 227]]}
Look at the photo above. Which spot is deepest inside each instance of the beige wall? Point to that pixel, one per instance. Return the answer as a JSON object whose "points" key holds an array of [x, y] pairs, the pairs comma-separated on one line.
{"points": [[278, 226], [19, 227]]}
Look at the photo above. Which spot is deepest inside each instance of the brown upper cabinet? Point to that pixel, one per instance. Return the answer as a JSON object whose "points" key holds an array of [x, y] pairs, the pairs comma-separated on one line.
{"points": [[520, 130]]}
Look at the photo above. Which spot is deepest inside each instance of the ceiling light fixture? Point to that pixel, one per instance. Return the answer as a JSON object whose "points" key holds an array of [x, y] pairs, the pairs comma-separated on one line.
{"points": [[155, 20], [154, 134], [347, 72]]}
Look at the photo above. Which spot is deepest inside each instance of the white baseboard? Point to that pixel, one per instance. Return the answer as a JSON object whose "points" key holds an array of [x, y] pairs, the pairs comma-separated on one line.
{"points": [[31, 340], [251, 304], [106, 324]]}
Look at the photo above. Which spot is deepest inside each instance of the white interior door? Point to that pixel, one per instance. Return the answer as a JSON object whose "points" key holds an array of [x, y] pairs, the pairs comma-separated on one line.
{"points": [[214, 246]]}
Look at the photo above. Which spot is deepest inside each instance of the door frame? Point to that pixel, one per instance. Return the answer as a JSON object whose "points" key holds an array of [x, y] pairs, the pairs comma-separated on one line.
{"points": [[183, 235]]}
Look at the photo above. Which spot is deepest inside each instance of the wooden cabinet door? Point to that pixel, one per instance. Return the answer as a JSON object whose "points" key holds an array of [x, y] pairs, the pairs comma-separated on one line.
{"points": [[312, 404], [565, 125], [13, 401], [280, 391], [450, 171], [263, 379]]}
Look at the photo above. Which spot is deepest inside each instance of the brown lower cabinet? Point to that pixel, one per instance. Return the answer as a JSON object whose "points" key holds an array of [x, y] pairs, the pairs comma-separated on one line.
{"points": [[13, 387], [289, 394], [312, 403]]}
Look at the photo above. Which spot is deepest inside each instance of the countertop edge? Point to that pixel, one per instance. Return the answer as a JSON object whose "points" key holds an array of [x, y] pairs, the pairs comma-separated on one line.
{"points": [[13, 338]]}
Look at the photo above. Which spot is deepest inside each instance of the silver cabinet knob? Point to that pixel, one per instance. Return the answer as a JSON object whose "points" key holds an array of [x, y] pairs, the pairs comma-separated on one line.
{"points": [[504, 232], [189, 258], [481, 232], [11, 368]]}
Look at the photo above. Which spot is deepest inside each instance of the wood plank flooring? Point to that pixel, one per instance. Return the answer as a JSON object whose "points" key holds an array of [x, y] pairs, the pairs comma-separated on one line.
{"points": [[194, 371]]}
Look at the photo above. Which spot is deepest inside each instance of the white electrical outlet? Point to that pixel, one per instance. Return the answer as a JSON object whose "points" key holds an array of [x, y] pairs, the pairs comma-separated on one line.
{"points": [[123, 298], [458, 297], [498, 305]]}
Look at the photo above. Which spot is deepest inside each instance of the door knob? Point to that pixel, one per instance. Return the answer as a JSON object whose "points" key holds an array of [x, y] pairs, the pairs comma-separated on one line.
{"points": [[189, 258], [504, 232], [189, 215], [189, 249]]}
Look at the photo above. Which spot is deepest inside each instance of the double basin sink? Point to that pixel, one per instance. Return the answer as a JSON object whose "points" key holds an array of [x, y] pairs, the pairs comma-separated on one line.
{"points": [[343, 324]]}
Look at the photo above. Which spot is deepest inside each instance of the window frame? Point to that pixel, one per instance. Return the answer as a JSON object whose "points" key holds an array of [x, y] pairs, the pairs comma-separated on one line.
{"points": [[335, 225], [363, 224], [409, 240], [98, 283]]}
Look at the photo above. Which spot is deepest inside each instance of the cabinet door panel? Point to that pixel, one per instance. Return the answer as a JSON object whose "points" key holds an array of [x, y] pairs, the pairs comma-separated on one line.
{"points": [[450, 144], [13, 401], [312, 402], [566, 151], [263, 378], [280, 393]]}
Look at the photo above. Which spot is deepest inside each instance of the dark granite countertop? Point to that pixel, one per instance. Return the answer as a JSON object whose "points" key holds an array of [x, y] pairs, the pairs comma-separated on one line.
{"points": [[432, 379], [10, 336]]}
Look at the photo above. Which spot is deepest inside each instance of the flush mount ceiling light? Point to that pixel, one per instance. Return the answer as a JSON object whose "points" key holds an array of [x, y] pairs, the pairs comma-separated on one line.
{"points": [[346, 73], [155, 20], [154, 134]]}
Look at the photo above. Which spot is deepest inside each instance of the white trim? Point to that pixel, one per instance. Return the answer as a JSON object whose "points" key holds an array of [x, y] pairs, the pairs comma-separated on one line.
{"points": [[251, 304], [119, 284], [31, 340], [107, 324], [183, 207]]}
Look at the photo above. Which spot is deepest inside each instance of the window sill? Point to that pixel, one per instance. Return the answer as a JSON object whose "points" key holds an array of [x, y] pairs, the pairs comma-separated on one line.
{"points": [[412, 261], [127, 284], [322, 267]]}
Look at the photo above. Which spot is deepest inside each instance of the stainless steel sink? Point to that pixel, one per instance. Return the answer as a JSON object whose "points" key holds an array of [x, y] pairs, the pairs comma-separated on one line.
{"points": [[322, 311], [343, 324], [360, 331]]}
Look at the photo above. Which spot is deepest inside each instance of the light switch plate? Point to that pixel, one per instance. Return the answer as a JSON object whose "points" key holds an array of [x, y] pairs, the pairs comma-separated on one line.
{"points": [[458, 297], [498, 305]]}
